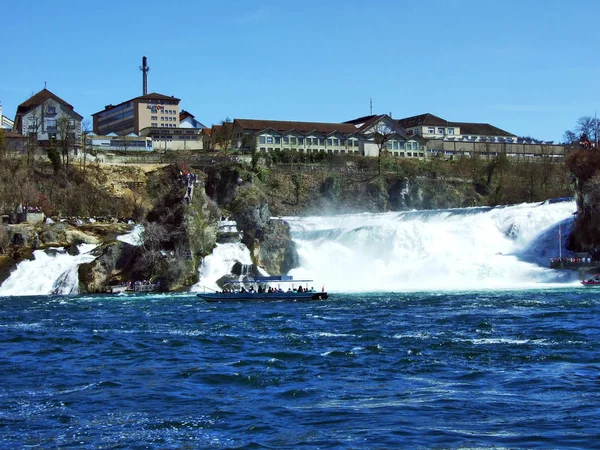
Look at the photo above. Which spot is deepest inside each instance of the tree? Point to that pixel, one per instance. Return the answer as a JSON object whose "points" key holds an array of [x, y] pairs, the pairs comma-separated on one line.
{"points": [[86, 128], [586, 126], [66, 138], [223, 137], [381, 134]]}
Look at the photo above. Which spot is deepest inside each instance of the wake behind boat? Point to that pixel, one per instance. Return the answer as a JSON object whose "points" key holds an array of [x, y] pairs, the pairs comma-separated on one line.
{"points": [[268, 288]]}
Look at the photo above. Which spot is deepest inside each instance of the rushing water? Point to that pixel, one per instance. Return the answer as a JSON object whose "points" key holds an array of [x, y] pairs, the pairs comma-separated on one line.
{"points": [[501, 369]]}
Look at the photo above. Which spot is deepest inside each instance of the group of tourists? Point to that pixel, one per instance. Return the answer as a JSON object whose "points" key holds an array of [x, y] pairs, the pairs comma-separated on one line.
{"points": [[571, 260], [265, 290]]}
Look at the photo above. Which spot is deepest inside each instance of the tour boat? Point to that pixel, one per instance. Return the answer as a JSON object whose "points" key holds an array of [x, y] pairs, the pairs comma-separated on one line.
{"points": [[267, 288], [591, 282]]}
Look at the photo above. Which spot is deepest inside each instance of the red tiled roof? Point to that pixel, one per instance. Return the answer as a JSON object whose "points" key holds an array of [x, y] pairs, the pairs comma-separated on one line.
{"points": [[422, 120], [184, 115], [482, 129], [302, 127]]}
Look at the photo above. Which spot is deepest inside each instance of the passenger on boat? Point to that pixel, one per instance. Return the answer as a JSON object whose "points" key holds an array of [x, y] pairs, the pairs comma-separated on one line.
{"points": [[299, 288]]}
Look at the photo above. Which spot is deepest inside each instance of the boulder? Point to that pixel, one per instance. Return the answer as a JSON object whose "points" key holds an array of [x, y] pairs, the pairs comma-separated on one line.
{"points": [[114, 260]]}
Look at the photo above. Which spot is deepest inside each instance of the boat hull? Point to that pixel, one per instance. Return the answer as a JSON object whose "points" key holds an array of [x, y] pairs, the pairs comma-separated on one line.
{"points": [[263, 296], [591, 283]]}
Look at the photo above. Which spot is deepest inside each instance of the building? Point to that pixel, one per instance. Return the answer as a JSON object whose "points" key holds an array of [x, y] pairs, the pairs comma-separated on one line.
{"points": [[114, 142], [41, 115], [363, 136], [164, 139], [384, 133], [455, 139], [5, 122], [131, 116], [187, 120], [430, 126]]}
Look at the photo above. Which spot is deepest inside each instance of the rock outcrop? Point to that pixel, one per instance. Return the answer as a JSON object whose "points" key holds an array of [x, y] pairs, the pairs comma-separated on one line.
{"points": [[114, 261]]}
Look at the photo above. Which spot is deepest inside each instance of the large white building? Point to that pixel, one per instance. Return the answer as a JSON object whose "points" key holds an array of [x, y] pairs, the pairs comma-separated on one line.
{"points": [[41, 115]]}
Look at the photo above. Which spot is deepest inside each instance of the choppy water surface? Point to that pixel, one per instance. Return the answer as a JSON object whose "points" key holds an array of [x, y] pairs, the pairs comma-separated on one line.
{"points": [[512, 369]]}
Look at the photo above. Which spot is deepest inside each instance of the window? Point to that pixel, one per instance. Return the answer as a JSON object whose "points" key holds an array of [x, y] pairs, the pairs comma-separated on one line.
{"points": [[322, 141], [450, 130], [301, 141], [153, 117], [286, 140], [396, 145], [269, 139], [388, 144], [440, 130], [278, 139], [315, 141], [342, 142], [336, 141], [51, 110], [356, 142], [431, 130], [329, 142], [293, 140], [262, 140]]}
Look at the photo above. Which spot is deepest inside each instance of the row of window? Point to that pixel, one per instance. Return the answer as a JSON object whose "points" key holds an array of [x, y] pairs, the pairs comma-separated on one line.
{"points": [[440, 130], [163, 125], [293, 140], [401, 145], [314, 150], [114, 110]]}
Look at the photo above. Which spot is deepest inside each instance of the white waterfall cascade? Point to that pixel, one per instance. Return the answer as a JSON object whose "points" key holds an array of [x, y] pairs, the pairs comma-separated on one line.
{"points": [[219, 263], [459, 249], [52, 271], [134, 237]]}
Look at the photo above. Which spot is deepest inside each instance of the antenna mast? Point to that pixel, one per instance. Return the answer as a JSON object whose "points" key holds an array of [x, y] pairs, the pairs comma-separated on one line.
{"points": [[371, 106], [145, 69]]}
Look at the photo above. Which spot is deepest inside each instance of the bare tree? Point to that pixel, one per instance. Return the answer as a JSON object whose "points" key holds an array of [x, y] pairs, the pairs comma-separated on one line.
{"points": [[86, 129], [224, 135], [586, 126], [381, 135], [66, 137]]}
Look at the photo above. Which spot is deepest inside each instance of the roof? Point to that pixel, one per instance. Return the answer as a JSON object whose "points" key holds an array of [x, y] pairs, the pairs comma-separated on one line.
{"points": [[422, 119], [35, 100], [484, 129], [151, 96], [184, 115], [427, 119], [363, 123], [39, 98], [302, 127]]}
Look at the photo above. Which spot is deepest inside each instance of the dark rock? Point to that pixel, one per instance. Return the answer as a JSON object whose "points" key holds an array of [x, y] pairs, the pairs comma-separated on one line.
{"points": [[114, 260], [275, 250]]}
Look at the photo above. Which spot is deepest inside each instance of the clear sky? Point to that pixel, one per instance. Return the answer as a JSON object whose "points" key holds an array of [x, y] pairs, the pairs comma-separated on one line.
{"points": [[526, 66]]}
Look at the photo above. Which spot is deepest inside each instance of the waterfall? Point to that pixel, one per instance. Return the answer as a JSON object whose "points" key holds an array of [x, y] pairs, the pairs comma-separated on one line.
{"points": [[52, 271], [456, 249], [134, 237]]}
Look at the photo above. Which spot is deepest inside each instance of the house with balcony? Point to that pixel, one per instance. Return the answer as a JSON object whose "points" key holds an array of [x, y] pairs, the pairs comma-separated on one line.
{"points": [[40, 115]]}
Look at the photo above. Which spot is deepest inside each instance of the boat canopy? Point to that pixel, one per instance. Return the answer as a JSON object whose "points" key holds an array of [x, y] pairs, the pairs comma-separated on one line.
{"points": [[273, 278]]}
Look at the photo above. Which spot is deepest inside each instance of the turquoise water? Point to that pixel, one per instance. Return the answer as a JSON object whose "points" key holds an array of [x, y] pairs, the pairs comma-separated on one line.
{"points": [[509, 369]]}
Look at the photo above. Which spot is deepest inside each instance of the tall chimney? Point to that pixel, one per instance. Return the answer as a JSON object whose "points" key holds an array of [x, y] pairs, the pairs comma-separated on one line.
{"points": [[144, 68]]}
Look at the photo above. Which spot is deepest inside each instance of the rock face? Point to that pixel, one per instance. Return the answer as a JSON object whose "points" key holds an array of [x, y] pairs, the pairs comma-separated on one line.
{"points": [[275, 250], [113, 260], [269, 240]]}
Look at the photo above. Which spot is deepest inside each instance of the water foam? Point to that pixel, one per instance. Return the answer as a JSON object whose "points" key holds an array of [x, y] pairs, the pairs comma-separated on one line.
{"points": [[49, 272], [459, 249]]}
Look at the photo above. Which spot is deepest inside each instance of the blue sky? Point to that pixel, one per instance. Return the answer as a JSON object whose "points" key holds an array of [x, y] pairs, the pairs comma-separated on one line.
{"points": [[528, 67]]}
